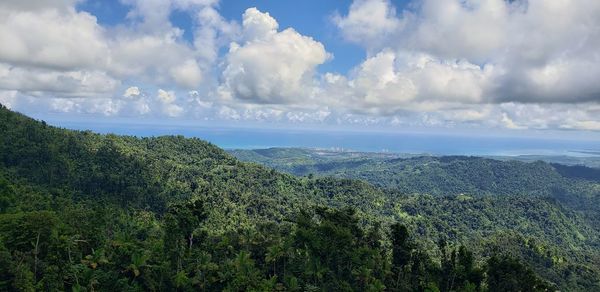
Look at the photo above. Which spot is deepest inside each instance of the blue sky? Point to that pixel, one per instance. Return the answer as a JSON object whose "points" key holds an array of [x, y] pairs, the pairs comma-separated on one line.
{"points": [[525, 67]]}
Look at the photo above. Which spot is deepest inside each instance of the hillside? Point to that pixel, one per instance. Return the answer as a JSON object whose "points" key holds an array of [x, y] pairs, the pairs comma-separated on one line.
{"points": [[575, 186], [149, 173], [467, 197], [83, 211], [445, 175]]}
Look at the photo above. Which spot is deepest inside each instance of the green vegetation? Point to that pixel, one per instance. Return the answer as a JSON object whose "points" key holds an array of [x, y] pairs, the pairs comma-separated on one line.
{"points": [[81, 211], [446, 175], [544, 213]]}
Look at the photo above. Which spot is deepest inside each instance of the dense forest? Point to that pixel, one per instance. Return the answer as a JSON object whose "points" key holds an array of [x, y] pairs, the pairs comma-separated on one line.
{"points": [[482, 202], [445, 175], [81, 211]]}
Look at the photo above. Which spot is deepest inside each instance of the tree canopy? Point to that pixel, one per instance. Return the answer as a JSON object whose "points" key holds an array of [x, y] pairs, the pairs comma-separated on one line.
{"points": [[82, 211]]}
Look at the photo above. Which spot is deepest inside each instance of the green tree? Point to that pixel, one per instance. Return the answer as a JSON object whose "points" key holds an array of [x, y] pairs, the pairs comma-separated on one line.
{"points": [[509, 274]]}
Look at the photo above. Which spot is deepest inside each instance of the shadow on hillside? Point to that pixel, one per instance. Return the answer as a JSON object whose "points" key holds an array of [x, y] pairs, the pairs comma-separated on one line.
{"points": [[578, 172]]}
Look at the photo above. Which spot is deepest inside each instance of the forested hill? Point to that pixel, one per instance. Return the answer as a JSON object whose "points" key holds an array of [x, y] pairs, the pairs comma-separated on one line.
{"points": [[444, 175], [576, 187], [460, 194], [87, 212], [149, 173]]}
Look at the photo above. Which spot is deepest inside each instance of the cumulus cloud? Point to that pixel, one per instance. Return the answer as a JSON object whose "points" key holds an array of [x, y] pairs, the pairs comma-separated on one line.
{"points": [[591, 125], [132, 92], [41, 81], [272, 113], [166, 97], [100, 106], [173, 110], [523, 64], [52, 38], [509, 123], [369, 22], [167, 100], [132, 103], [141, 107], [258, 25], [49, 46], [395, 81], [539, 51], [136, 101], [229, 113], [270, 66], [187, 74], [212, 33]]}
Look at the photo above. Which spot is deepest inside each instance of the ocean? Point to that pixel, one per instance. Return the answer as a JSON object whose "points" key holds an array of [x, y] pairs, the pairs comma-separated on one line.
{"points": [[434, 143]]}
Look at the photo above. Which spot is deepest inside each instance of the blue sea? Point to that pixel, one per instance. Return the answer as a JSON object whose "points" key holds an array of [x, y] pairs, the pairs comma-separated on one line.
{"points": [[435, 143]]}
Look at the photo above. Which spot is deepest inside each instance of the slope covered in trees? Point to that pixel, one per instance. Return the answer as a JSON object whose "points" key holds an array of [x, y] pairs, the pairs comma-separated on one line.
{"points": [[445, 175], [575, 187], [81, 211], [472, 199]]}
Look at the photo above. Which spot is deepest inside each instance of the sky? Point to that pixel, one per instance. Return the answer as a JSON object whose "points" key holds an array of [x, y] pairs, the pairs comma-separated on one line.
{"points": [[487, 66]]}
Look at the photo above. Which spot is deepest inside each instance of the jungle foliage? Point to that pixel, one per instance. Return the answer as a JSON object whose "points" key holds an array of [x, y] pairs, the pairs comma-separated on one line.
{"points": [[81, 211]]}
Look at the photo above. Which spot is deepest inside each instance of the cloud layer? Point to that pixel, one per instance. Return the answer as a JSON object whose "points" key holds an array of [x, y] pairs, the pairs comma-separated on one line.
{"points": [[522, 64]]}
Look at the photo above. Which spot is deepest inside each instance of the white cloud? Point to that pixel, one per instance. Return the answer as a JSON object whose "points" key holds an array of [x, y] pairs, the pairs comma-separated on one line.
{"points": [[101, 106], [258, 25], [378, 83], [167, 100], [50, 46], [141, 107], [152, 57], [446, 63], [36, 5], [41, 81], [229, 113], [473, 114], [194, 98], [582, 125], [63, 105], [468, 29], [61, 39], [8, 98], [308, 117], [388, 82], [270, 66], [212, 33], [187, 75], [166, 96], [369, 22], [509, 123], [547, 116], [173, 110], [153, 15], [132, 92], [539, 51]]}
